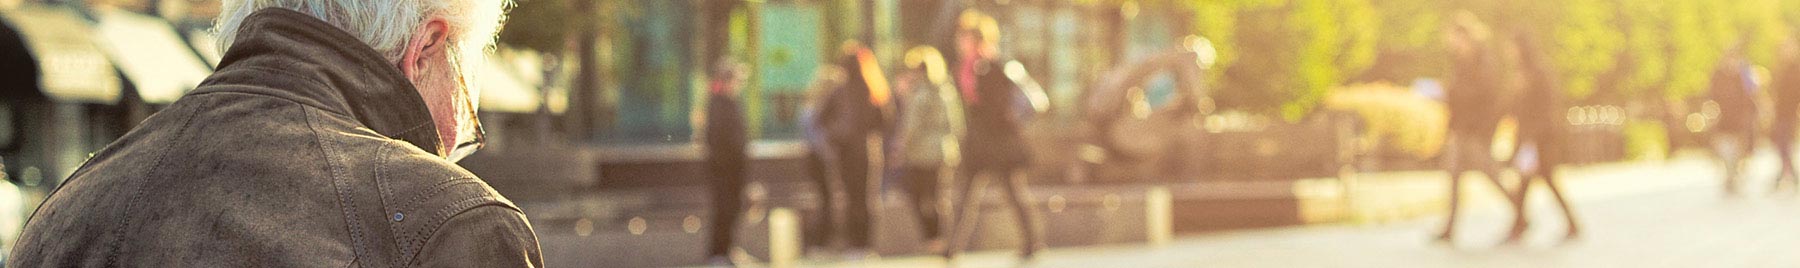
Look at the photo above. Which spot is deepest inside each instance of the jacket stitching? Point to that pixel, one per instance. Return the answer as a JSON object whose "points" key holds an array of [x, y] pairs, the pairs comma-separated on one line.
{"points": [[444, 215], [340, 184], [309, 80], [381, 182], [320, 84], [272, 96], [439, 188], [137, 195], [278, 72], [411, 241]]}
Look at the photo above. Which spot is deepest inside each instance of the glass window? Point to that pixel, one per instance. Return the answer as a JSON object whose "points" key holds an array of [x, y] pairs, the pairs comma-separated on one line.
{"points": [[652, 65], [789, 54]]}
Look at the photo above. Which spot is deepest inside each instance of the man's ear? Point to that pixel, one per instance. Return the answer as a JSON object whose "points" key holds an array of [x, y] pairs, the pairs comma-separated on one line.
{"points": [[430, 42]]}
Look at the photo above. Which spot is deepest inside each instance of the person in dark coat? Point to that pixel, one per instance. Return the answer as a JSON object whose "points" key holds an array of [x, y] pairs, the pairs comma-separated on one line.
{"points": [[855, 118], [994, 145], [1473, 89], [309, 146], [1733, 137], [821, 157], [1786, 91], [727, 141], [1542, 136]]}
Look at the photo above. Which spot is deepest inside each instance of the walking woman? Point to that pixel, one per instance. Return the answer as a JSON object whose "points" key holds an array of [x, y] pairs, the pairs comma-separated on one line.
{"points": [[994, 147], [1474, 86], [1542, 133], [854, 118], [1733, 137], [1786, 91]]}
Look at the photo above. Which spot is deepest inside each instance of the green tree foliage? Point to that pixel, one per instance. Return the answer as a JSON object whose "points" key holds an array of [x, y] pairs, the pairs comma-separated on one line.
{"points": [[1284, 56], [1679, 42], [1585, 42], [1410, 44], [1645, 25]]}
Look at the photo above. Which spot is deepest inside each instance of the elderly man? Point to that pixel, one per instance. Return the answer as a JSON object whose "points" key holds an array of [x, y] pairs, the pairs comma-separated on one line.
{"points": [[327, 138]]}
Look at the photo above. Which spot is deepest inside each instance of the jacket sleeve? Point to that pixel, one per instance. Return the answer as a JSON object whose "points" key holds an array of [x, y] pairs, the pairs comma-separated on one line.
{"points": [[486, 236]]}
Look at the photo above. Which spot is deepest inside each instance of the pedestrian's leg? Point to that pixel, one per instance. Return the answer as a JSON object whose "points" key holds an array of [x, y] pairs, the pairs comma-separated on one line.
{"points": [[824, 225], [968, 211], [1725, 147], [1491, 168], [1732, 171], [1520, 221], [855, 167], [942, 207], [1030, 221], [921, 185], [1568, 213], [728, 199], [1516, 196], [1785, 149], [1452, 162]]}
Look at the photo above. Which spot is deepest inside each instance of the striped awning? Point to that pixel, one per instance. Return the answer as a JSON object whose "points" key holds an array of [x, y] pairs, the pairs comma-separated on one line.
{"points": [[74, 68], [150, 53]]}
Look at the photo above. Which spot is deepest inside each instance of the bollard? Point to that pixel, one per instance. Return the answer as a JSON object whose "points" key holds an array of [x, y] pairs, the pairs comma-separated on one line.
{"points": [[1159, 221], [784, 237]]}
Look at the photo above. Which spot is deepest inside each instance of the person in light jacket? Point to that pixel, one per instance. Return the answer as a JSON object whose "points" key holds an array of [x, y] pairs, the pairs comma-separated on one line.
{"points": [[930, 126]]}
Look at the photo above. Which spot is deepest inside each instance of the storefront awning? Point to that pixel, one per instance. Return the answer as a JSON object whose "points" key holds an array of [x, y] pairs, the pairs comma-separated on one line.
{"points": [[150, 53], [74, 69]]}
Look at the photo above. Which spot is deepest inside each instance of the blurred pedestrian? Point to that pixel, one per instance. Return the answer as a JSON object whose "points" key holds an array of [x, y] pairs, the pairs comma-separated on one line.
{"points": [[1786, 88], [726, 157], [1733, 137], [1474, 86], [1542, 136], [821, 158], [930, 126], [994, 146], [855, 120], [328, 136]]}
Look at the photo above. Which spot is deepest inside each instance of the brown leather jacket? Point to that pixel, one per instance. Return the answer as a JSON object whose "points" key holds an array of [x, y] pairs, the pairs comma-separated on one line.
{"points": [[305, 149]]}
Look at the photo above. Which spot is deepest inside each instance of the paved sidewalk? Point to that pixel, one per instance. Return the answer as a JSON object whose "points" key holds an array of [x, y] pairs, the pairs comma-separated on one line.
{"points": [[1669, 214]]}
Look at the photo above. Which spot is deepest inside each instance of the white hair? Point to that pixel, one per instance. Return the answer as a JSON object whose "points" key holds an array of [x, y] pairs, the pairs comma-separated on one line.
{"points": [[385, 25]]}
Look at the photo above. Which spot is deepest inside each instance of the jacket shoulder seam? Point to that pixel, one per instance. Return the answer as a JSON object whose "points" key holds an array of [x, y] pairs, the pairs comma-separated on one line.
{"points": [[340, 185], [448, 213], [137, 190]]}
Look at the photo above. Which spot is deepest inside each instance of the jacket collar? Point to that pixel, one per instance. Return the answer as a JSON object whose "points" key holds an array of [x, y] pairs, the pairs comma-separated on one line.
{"points": [[317, 64]]}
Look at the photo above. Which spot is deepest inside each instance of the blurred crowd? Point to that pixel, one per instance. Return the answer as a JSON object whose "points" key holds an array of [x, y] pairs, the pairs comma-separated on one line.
{"points": [[947, 123]]}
